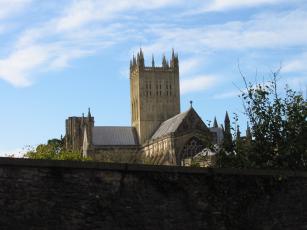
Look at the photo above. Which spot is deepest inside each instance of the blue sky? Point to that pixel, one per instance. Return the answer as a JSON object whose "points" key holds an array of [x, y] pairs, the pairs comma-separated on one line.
{"points": [[57, 58]]}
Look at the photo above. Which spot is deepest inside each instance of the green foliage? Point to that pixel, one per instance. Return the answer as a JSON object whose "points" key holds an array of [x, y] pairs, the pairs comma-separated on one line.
{"points": [[279, 126], [278, 133], [54, 150]]}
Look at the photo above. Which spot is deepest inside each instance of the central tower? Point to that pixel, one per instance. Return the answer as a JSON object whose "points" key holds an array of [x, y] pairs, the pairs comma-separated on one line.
{"points": [[154, 93]]}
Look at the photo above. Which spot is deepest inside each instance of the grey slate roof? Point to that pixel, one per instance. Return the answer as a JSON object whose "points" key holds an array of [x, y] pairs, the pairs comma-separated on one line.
{"points": [[114, 135], [170, 125]]}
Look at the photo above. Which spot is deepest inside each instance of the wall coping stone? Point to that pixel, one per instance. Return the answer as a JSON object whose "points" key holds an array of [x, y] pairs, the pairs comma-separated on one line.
{"points": [[24, 162]]}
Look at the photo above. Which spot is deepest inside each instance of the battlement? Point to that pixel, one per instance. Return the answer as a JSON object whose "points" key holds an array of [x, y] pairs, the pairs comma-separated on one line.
{"points": [[74, 130], [138, 63]]}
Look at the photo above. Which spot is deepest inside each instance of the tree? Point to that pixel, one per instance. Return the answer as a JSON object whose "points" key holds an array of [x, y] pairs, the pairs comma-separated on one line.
{"points": [[278, 125], [54, 150], [227, 142]]}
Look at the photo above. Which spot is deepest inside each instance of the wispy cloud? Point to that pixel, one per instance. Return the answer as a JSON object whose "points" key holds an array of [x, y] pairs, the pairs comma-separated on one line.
{"points": [[188, 66], [267, 30], [9, 7], [197, 83], [220, 5], [19, 152], [15, 68], [225, 95], [296, 83], [84, 28], [72, 34], [227, 5], [296, 64]]}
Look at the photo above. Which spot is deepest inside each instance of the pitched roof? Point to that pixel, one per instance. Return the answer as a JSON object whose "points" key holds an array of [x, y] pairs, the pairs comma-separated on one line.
{"points": [[114, 135], [170, 125]]}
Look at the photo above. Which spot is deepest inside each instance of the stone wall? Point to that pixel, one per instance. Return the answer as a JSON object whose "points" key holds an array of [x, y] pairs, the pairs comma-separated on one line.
{"points": [[36, 194]]}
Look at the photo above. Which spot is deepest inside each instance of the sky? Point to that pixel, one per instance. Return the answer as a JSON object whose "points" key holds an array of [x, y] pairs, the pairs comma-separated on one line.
{"points": [[57, 58]]}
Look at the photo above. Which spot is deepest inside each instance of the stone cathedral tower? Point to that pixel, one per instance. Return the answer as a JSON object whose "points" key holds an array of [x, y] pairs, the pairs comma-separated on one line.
{"points": [[154, 93], [75, 127], [159, 133]]}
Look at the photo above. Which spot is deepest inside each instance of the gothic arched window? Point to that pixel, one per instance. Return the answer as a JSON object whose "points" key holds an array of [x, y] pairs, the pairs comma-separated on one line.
{"points": [[191, 148]]}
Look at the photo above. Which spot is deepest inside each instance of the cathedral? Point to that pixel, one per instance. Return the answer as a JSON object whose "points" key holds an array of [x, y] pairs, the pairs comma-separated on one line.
{"points": [[159, 133]]}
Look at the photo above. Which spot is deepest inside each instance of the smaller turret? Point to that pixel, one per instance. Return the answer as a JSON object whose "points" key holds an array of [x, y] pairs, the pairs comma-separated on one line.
{"points": [[164, 62], [89, 115], [82, 120], [215, 125], [174, 60], [238, 134], [153, 61], [134, 61], [140, 59]]}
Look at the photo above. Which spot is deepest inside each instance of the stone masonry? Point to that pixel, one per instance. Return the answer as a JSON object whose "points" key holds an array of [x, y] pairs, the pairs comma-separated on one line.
{"points": [[37, 194]]}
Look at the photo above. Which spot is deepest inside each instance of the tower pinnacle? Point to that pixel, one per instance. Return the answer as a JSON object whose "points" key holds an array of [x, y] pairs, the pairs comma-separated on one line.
{"points": [[164, 62], [153, 61], [140, 59]]}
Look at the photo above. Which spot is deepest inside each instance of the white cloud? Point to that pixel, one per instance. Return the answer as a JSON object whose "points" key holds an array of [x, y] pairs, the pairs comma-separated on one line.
{"points": [[197, 83], [15, 68], [269, 31], [228, 94], [80, 30], [86, 27], [297, 64], [189, 65], [220, 5], [62, 60], [9, 7], [18, 152], [81, 12], [296, 83]]}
